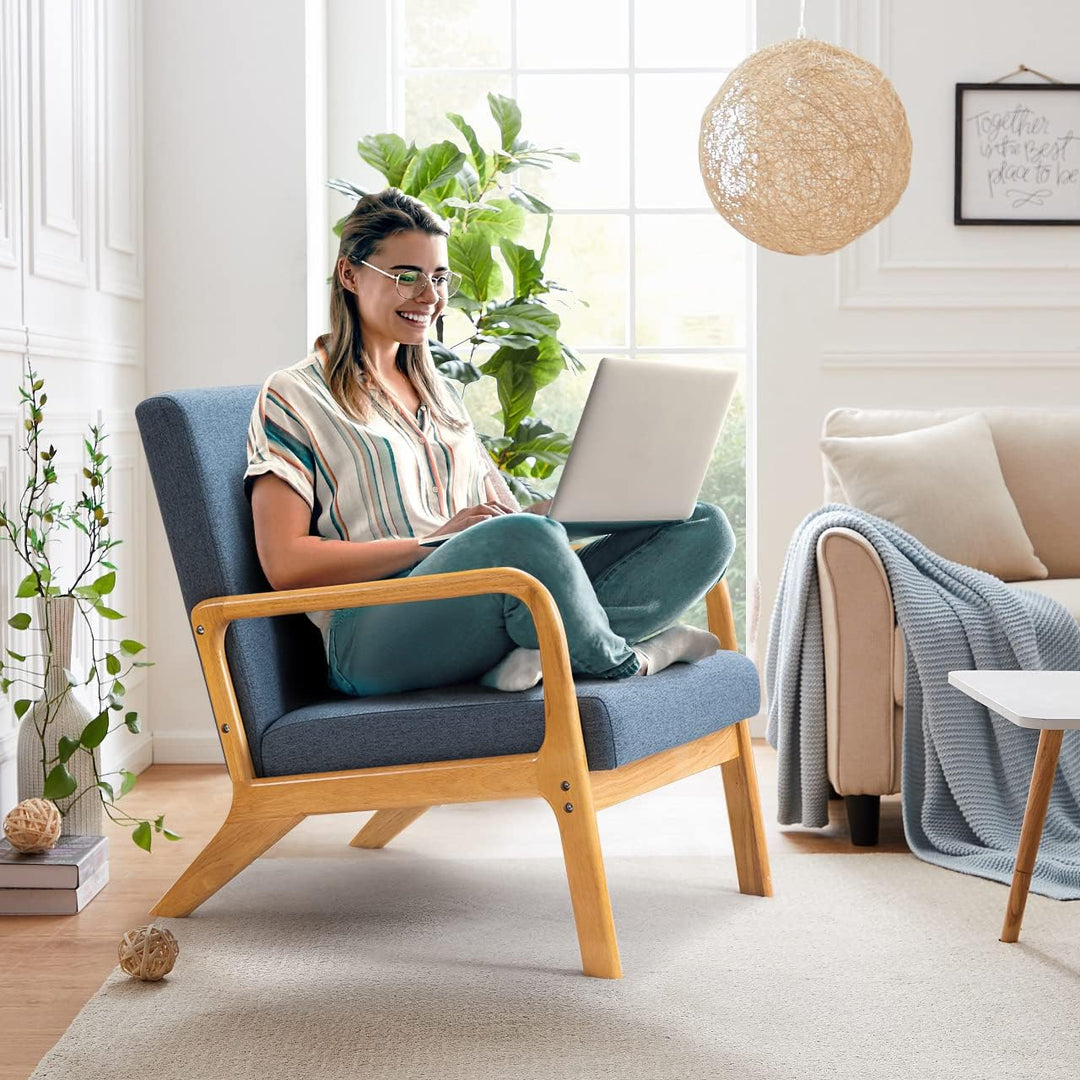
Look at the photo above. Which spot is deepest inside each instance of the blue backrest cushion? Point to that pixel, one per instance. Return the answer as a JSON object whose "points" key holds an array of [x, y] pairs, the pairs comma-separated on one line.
{"points": [[196, 447]]}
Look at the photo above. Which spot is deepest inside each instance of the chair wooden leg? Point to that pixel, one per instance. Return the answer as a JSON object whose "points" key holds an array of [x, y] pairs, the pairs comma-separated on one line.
{"points": [[236, 844], [384, 825], [744, 816], [588, 890]]}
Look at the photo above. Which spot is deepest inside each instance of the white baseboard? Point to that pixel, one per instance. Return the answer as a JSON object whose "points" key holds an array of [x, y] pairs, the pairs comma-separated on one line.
{"points": [[137, 757], [187, 748]]}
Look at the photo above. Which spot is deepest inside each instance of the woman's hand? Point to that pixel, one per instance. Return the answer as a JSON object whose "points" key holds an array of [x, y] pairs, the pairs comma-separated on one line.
{"points": [[473, 514]]}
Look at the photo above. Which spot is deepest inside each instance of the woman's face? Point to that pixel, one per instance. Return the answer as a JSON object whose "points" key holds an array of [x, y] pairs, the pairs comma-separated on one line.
{"points": [[386, 317]]}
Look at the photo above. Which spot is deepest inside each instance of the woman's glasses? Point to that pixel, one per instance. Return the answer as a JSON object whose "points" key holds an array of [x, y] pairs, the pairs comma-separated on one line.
{"points": [[412, 284]]}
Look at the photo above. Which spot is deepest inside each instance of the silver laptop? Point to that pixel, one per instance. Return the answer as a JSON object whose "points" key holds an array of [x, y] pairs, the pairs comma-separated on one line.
{"points": [[642, 447]]}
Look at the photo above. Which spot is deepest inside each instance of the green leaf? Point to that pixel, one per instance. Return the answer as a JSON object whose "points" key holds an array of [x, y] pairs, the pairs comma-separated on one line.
{"points": [[351, 190], [118, 689], [112, 664], [527, 271], [129, 779], [451, 365], [95, 731], [479, 158], [142, 835], [19, 621], [500, 218], [131, 647], [432, 167], [464, 204], [132, 721], [108, 789], [388, 154], [105, 584], [470, 256], [21, 706], [59, 784], [66, 747], [518, 374], [170, 835], [552, 448], [529, 203], [505, 113], [527, 317], [15, 656], [28, 587], [108, 613]]}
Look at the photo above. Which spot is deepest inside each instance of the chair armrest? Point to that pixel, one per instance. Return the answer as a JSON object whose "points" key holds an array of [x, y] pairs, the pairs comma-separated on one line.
{"points": [[859, 630], [721, 615], [211, 618]]}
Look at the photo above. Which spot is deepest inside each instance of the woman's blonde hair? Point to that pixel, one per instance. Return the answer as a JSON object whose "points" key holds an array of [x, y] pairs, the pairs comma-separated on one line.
{"points": [[348, 369]]}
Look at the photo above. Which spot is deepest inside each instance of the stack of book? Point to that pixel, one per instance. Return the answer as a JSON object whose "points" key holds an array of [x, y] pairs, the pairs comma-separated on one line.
{"points": [[60, 881]]}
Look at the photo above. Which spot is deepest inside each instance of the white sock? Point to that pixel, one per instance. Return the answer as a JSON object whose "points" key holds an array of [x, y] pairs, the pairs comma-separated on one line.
{"points": [[517, 670], [677, 644]]}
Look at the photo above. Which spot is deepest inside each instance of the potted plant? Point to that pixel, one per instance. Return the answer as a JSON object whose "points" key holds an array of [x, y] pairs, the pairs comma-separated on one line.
{"points": [[504, 291], [58, 736]]}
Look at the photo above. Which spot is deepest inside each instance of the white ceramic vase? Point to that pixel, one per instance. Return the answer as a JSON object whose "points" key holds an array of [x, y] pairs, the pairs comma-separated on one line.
{"points": [[82, 816]]}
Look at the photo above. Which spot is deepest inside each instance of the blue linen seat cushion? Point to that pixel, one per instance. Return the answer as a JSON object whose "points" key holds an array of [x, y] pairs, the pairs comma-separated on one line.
{"points": [[622, 720]]}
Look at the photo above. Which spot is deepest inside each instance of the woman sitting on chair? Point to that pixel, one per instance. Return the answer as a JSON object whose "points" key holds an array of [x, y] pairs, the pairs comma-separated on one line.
{"points": [[363, 447]]}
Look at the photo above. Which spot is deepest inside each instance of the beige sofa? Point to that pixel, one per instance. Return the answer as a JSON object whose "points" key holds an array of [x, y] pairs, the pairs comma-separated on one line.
{"points": [[1039, 455]]}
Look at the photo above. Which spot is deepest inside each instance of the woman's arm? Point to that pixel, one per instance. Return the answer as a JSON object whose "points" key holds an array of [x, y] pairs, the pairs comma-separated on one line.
{"points": [[292, 559]]}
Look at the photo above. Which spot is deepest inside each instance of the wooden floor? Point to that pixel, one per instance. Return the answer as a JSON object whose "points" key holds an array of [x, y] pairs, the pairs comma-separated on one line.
{"points": [[51, 965]]}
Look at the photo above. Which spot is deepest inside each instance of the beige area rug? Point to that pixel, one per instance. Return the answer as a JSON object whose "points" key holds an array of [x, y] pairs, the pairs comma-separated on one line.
{"points": [[388, 965]]}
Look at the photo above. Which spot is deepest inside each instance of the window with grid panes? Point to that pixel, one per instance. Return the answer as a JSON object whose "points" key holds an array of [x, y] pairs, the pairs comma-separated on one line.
{"points": [[650, 268]]}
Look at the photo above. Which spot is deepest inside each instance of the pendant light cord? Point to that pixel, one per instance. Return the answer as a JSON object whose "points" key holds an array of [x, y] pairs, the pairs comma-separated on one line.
{"points": [[802, 18]]}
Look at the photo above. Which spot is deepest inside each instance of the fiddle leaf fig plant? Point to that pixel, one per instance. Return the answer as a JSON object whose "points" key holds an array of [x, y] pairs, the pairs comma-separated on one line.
{"points": [[505, 292], [30, 530]]}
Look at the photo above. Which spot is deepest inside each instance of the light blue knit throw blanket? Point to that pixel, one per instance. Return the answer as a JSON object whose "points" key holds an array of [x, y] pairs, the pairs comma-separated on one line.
{"points": [[965, 770]]}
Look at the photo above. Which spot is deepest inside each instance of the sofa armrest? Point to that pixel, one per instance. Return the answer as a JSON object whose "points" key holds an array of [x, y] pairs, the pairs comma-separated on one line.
{"points": [[859, 632]]}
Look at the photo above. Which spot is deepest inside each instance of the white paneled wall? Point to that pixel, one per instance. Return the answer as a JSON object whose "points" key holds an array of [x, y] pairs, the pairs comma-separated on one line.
{"points": [[227, 263], [71, 288]]}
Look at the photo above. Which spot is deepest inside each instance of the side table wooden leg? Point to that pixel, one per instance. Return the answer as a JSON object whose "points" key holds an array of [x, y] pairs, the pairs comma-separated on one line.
{"points": [[1042, 780]]}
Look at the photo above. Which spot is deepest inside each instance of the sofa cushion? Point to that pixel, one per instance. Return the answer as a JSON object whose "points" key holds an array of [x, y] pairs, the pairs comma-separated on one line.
{"points": [[1039, 454], [622, 720], [943, 485], [1066, 591]]}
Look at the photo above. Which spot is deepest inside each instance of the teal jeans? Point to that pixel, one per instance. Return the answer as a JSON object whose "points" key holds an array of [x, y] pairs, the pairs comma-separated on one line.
{"points": [[612, 593]]}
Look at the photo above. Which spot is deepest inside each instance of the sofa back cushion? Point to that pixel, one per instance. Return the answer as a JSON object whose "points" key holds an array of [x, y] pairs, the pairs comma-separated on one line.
{"points": [[943, 485], [1039, 454]]}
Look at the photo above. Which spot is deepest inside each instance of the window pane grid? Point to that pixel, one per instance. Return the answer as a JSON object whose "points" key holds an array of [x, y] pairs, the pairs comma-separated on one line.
{"points": [[725, 333]]}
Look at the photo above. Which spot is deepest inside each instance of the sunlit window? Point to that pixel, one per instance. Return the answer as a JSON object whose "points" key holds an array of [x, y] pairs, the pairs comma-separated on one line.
{"points": [[652, 270]]}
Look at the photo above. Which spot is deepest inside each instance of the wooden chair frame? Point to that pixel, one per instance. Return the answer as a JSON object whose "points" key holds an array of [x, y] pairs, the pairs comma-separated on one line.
{"points": [[264, 809]]}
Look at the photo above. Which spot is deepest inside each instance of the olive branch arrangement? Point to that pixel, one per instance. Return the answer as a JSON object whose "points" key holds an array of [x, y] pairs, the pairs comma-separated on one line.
{"points": [[40, 514]]}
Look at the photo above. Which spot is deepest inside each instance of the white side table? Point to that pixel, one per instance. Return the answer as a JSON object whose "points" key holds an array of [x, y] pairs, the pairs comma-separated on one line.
{"points": [[1050, 702]]}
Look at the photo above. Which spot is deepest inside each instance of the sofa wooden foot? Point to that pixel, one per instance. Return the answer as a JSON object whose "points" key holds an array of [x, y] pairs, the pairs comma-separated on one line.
{"points": [[863, 814]]}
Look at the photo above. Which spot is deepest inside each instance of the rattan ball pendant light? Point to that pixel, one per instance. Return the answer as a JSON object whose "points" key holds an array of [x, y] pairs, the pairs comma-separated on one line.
{"points": [[805, 147]]}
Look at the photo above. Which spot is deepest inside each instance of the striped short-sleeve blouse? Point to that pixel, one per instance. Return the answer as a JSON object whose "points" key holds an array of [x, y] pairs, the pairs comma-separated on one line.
{"points": [[393, 475]]}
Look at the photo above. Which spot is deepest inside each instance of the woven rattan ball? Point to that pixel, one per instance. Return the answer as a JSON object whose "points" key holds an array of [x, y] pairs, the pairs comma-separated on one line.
{"points": [[805, 147], [148, 953], [33, 826]]}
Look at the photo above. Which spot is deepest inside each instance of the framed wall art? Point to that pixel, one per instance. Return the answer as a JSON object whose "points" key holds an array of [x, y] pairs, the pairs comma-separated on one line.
{"points": [[1017, 154]]}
